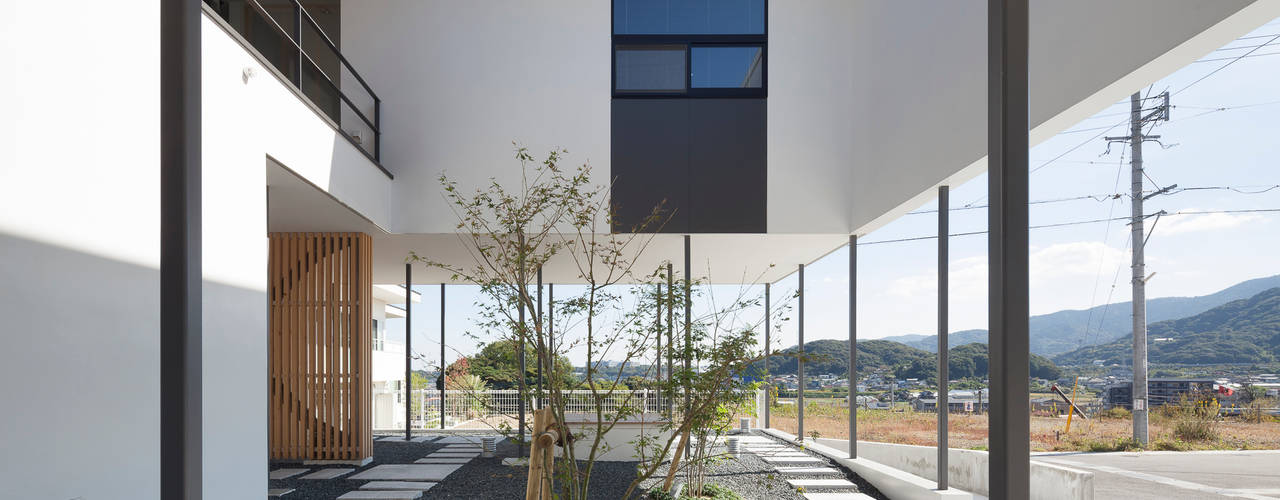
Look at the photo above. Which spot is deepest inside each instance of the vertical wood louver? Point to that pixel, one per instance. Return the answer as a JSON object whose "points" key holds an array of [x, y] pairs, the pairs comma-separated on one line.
{"points": [[320, 340]]}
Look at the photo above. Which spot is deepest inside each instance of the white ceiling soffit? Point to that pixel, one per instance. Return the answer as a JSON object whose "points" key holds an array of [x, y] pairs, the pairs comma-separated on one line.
{"points": [[715, 258], [924, 122]]}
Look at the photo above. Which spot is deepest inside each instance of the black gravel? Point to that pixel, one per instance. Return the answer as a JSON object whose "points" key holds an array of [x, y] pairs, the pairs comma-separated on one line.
{"points": [[488, 478]]}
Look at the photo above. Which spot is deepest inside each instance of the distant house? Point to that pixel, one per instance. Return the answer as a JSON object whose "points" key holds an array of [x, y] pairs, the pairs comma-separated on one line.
{"points": [[1160, 391]]}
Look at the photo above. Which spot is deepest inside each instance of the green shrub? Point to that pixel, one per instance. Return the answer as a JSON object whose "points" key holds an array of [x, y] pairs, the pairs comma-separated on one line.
{"points": [[1116, 413], [712, 491]]}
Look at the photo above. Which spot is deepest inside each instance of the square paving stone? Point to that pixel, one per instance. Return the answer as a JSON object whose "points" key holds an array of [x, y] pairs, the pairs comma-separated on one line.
{"points": [[821, 484], [286, 473], [397, 485], [384, 495], [442, 460], [408, 472], [327, 473]]}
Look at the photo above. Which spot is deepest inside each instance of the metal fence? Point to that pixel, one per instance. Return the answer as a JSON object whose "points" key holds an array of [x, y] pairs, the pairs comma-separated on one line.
{"points": [[499, 409]]}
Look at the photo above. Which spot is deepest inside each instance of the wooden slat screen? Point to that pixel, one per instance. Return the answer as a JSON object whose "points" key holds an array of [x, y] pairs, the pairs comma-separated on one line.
{"points": [[320, 341]]}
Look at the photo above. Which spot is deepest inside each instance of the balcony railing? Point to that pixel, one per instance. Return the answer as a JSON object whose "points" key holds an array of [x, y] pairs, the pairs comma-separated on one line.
{"points": [[312, 63]]}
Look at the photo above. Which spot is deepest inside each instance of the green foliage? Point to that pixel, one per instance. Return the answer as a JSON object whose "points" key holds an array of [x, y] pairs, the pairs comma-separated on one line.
{"points": [[711, 491], [497, 364], [832, 356], [970, 361], [1243, 331]]}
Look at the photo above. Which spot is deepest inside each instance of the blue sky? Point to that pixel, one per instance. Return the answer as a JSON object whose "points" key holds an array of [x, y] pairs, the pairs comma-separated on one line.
{"points": [[1072, 267]]}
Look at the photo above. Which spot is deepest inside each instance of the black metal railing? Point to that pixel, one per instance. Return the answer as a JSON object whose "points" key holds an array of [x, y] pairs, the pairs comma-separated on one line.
{"points": [[286, 50]]}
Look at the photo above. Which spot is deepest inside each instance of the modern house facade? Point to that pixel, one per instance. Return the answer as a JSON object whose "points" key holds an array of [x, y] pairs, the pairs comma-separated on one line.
{"points": [[179, 181]]}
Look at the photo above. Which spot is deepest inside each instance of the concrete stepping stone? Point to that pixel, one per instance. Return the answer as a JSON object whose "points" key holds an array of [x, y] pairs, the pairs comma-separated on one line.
{"points": [[286, 473], [461, 447], [278, 492], [461, 440], [328, 473], [822, 484], [837, 496], [442, 460], [397, 485], [454, 454], [408, 472], [381, 494], [810, 471], [424, 439], [792, 460]]}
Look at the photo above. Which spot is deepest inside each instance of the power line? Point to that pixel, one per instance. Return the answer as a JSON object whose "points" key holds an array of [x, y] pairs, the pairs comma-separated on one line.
{"points": [[1075, 223], [1229, 63], [1250, 189]]}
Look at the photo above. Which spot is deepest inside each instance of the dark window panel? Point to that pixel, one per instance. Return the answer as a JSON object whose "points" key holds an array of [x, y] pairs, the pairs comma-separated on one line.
{"points": [[727, 67], [689, 17], [655, 68]]}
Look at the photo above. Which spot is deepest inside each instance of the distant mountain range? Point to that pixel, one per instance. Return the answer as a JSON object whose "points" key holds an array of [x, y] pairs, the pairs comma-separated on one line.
{"points": [[1241, 331], [832, 356], [1063, 331]]}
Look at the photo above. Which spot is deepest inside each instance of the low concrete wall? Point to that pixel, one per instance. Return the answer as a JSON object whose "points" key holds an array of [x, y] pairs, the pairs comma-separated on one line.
{"points": [[893, 483], [967, 470], [618, 444]]}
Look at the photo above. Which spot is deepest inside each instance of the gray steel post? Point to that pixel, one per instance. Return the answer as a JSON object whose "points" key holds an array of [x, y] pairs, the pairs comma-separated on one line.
{"points": [[520, 376], [539, 344], [408, 350], [944, 375], [671, 343], [853, 346], [1140, 403], [768, 318], [688, 321], [181, 349], [442, 365], [800, 363], [1007, 149]]}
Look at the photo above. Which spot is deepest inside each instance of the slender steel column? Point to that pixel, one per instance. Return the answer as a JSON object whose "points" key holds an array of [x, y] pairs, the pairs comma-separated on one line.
{"points": [[657, 326], [1007, 254], [688, 321], [520, 357], [853, 346], [944, 375], [551, 340], [539, 342], [181, 275], [408, 348], [671, 345], [768, 317], [442, 365], [800, 363]]}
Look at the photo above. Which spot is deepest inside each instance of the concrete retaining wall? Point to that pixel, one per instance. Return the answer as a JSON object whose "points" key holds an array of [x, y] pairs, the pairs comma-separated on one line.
{"points": [[968, 470]]}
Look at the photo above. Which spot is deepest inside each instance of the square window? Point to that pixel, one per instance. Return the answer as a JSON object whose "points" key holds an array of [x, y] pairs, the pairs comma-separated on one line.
{"points": [[650, 68]]}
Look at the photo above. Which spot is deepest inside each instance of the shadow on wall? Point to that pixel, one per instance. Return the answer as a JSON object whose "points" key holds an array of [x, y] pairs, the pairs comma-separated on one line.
{"points": [[81, 367]]}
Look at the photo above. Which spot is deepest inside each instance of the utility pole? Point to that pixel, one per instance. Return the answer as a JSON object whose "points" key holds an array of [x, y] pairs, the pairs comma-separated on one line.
{"points": [[1138, 263]]}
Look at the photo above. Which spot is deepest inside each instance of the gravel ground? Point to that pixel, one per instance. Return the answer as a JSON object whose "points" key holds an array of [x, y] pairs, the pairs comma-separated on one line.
{"points": [[753, 478], [488, 478]]}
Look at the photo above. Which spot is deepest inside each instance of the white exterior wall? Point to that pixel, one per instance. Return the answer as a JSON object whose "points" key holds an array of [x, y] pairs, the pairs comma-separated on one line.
{"points": [[80, 247], [80, 235], [812, 110], [461, 80]]}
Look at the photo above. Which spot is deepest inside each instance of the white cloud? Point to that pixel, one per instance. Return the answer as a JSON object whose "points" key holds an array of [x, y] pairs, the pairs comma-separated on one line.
{"points": [[1182, 224]]}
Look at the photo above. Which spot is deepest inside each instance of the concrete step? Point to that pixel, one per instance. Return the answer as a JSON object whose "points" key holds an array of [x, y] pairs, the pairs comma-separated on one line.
{"points": [[792, 460], [381, 495], [809, 471], [822, 484], [328, 473], [397, 485], [286, 473], [837, 496]]}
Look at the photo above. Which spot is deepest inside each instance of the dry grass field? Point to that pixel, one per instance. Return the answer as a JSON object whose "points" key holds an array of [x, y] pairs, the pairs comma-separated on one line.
{"points": [[1168, 430]]}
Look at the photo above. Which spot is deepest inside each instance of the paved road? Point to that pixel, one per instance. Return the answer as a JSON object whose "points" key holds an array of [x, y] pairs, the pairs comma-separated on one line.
{"points": [[1170, 475]]}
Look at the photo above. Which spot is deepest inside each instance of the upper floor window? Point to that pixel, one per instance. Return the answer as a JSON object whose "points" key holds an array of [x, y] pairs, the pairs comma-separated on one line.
{"points": [[690, 48], [689, 17]]}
